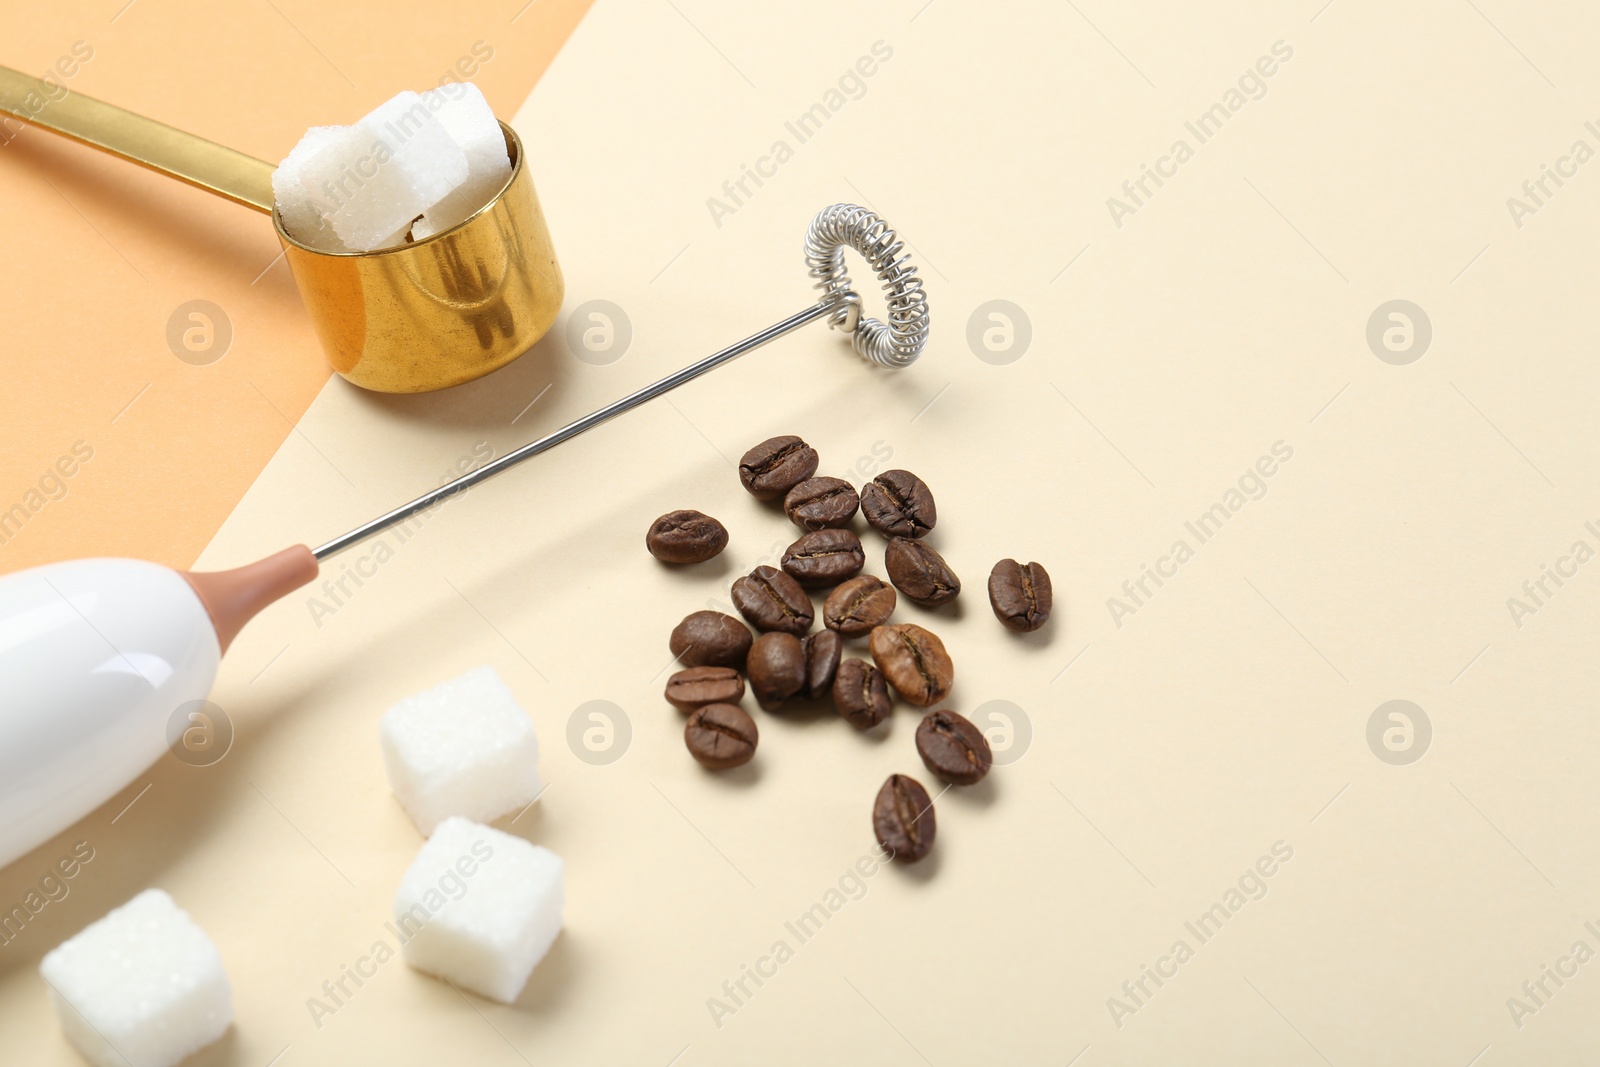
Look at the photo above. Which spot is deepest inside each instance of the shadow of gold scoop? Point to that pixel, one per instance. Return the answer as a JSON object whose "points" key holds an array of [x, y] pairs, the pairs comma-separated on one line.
{"points": [[408, 319]]}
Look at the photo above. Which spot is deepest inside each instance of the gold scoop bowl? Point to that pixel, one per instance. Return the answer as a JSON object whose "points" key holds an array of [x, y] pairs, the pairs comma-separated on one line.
{"points": [[421, 316]]}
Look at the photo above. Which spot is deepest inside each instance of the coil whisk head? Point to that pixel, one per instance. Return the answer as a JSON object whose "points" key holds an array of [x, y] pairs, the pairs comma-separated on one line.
{"points": [[898, 342]]}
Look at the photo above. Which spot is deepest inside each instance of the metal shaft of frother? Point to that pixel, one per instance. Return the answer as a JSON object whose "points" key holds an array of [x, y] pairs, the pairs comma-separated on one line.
{"points": [[572, 429]]}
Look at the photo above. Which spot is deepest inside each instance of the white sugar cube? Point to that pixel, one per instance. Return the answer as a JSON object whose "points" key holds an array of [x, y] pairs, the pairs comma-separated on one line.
{"points": [[300, 215], [142, 987], [463, 747], [383, 172], [470, 122], [433, 159], [422, 229], [480, 908]]}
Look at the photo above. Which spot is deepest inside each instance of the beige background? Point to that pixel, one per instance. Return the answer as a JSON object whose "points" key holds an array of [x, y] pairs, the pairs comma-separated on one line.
{"points": [[1167, 755]]}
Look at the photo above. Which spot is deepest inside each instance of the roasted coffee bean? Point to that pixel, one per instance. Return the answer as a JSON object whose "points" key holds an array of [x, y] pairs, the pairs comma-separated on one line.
{"points": [[953, 748], [822, 661], [902, 819], [1020, 595], [777, 668], [914, 661], [698, 686], [710, 639], [898, 504], [720, 736], [920, 572], [821, 503], [776, 466], [858, 605], [823, 558], [771, 600], [685, 537], [860, 694]]}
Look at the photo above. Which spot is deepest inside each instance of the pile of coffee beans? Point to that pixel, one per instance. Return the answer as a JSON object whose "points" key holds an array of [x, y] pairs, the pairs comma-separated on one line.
{"points": [[786, 660]]}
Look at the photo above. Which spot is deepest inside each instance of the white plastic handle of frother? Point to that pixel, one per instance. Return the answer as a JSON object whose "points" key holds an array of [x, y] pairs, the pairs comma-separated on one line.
{"points": [[96, 655], [102, 661]]}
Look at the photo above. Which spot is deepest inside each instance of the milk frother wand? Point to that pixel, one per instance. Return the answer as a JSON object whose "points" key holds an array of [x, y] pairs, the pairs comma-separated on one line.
{"points": [[102, 660]]}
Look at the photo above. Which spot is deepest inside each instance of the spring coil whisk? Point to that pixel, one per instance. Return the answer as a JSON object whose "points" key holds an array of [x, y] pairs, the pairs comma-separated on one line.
{"points": [[900, 341]]}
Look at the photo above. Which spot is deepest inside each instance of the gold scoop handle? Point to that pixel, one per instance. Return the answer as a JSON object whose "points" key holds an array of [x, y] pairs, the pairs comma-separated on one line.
{"points": [[214, 168]]}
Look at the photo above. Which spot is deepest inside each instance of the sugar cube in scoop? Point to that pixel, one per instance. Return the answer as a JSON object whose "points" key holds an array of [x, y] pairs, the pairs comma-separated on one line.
{"points": [[480, 908], [422, 229], [300, 215], [433, 159], [141, 987], [470, 122], [383, 172]]}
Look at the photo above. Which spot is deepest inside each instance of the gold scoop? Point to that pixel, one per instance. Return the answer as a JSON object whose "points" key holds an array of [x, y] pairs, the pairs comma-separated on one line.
{"points": [[421, 316]]}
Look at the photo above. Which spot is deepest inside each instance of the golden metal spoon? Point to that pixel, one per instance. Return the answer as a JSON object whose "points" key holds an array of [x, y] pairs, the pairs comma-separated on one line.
{"points": [[421, 316]]}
